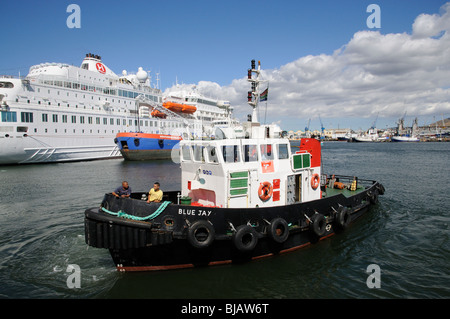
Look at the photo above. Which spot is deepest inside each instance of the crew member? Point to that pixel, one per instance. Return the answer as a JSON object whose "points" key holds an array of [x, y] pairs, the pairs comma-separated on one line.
{"points": [[155, 194]]}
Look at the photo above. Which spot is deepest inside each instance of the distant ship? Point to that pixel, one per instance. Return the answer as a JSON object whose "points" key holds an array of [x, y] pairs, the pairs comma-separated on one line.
{"points": [[196, 114], [370, 136], [60, 112], [406, 137]]}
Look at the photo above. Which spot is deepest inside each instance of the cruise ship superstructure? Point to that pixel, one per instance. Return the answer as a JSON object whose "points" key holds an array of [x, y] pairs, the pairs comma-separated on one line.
{"points": [[60, 112]]}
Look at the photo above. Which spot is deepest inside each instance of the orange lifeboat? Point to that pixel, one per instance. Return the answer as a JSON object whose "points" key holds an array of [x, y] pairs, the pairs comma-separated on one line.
{"points": [[179, 107], [172, 106], [189, 109], [156, 113]]}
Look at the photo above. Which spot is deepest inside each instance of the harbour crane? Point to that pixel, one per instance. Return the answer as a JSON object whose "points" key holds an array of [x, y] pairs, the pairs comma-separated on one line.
{"points": [[322, 128]]}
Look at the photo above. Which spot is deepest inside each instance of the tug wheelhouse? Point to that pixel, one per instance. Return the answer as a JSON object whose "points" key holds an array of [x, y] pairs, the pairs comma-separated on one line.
{"points": [[254, 172]]}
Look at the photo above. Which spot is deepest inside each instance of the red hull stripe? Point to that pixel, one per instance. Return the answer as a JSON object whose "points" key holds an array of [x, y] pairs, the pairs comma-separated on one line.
{"points": [[212, 263], [146, 135]]}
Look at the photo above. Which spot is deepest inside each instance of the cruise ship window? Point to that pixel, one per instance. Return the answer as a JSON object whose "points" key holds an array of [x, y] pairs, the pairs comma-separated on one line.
{"points": [[55, 118], [9, 116], [44, 117]]}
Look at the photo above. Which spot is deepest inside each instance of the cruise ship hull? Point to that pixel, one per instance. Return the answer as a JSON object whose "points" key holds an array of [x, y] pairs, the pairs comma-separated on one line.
{"points": [[142, 146], [31, 149]]}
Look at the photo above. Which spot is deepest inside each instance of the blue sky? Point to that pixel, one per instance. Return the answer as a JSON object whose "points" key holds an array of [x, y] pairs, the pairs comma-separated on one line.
{"points": [[197, 41]]}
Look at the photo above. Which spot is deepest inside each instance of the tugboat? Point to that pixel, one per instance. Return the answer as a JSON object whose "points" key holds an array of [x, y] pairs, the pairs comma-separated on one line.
{"points": [[243, 196]]}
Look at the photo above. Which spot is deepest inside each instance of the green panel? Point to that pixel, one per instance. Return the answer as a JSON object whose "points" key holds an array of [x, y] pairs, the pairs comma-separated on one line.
{"points": [[297, 161], [240, 191], [239, 174], [306, 160], [236, 183]]}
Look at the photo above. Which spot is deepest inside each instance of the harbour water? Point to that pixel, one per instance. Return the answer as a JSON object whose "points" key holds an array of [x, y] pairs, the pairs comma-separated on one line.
{"points": [[406, 234]]}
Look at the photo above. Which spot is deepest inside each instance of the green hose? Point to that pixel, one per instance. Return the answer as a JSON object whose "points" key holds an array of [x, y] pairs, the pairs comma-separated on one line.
{"points": [[155, 214]]}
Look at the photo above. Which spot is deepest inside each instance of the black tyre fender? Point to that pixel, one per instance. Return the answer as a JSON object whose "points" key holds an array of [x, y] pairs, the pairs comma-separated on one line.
{"points": [[381, 189], [374, 197], [319, 224], [278, 230], [201, 234], [245, 238], [343, 217]]}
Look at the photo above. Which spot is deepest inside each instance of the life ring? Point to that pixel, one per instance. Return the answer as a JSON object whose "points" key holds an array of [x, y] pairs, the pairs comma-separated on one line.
{"points": [[315, 181], [278, 230], [342, 217], [265, 191], [245, 238], [201, 234], [319, 224]]}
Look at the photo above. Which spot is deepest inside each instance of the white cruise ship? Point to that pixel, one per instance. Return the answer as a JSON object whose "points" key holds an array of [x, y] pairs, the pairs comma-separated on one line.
{"points": [[60, 112]]}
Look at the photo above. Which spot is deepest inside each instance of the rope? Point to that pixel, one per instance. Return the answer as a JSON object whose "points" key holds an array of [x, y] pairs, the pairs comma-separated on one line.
{"points": [[155, 214]]}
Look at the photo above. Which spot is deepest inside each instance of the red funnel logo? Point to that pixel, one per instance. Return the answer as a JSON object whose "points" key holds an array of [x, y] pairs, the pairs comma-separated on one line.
{"points": [[101, 68]]}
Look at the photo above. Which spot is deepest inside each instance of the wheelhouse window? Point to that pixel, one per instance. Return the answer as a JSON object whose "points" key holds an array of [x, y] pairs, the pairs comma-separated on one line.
{"points": [[250, 153], [283, 151], [266, 152], [186, 152], [198, 153], [212, 154], [230, 153]]}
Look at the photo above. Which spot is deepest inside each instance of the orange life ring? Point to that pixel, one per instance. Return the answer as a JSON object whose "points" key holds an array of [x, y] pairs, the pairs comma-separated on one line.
{"points": [[315, 181], [265, 191]]}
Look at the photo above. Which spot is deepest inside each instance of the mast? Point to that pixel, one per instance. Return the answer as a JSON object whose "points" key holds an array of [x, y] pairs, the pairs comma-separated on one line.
{"points": [[253, 95]]}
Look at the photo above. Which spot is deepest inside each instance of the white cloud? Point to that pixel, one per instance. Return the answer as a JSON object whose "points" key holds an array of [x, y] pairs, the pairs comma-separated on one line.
{"points": [[373, 73]]}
